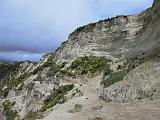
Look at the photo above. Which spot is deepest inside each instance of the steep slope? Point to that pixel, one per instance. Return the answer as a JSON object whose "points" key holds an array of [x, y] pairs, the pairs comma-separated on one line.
{"points": [[111, 37], [92, 108], [147, 41], [142, 82], [22, 90]]}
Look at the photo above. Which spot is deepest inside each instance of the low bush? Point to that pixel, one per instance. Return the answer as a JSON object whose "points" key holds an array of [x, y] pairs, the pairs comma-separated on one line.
{"points": [[77, 93], [13, 83], [77, 108], [114, 77], [107, 70], [10, 114], [56, 97], [38, 78], [30, 86], [90, 64], [33, 116], [124, 70], [4, 92], [98, 118], [134, 62]]}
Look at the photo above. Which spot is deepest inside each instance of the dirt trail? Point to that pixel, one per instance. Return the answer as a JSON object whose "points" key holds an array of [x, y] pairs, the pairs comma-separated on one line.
{"points": [[95, 109]]}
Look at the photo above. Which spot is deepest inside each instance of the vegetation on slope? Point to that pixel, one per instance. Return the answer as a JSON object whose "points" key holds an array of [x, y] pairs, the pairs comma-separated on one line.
{"points": [[7, 70], [114, 77], [10, 114], [90, 64], [54, 67], [77, 108], [122, 71], [56, 97], [33, 116], [13, 83]]}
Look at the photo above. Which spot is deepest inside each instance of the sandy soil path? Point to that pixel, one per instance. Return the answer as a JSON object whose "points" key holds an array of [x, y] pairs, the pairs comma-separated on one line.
{"points": [[95, 109]]}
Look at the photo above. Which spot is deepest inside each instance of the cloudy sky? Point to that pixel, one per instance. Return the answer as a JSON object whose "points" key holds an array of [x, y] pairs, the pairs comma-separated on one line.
{"points": [[31, 28]]}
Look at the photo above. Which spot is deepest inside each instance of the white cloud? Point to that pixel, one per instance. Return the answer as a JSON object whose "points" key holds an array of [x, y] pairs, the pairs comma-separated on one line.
{"points": [[19, 56], [120, 7]]}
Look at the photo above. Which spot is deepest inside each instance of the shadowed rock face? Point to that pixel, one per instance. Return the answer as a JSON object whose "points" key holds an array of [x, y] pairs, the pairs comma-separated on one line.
{"points": [[142, 82], [147, 42]]}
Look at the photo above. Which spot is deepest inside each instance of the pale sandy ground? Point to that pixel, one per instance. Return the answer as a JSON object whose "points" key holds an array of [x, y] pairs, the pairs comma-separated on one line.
{"points": [[95, 109]]}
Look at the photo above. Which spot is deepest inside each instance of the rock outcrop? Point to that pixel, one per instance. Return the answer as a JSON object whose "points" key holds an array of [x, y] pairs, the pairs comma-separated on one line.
{"points": [[142, 82], [111, 38]]}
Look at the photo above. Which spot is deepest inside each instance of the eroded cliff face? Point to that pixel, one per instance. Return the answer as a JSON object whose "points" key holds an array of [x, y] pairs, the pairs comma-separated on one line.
{"points": [[147, 41], [142, 82], [111, 38], [119, 37]]}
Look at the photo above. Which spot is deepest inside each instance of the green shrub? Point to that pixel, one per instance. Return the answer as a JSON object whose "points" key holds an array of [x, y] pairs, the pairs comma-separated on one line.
{"points": [[46, 64], [52, 64], [21, 86], [63, 71], [77, 92], [120, 67], [54, 67], [56, 97], [7, 70], [10, 114], [30, 86], [124, 70], [33, 116], [13, 83], [107, 70], [114, 77], [39, 78], [77, 108], [35, 71], [24, 76], [134, 62], [5, 92], [63, 64], [92, 64], [68, 73]]}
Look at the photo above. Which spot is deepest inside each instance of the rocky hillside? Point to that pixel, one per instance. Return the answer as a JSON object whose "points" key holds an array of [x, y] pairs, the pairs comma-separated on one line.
{"points": [[90, 76], [111, 38], [147, 41], [141, 82]]}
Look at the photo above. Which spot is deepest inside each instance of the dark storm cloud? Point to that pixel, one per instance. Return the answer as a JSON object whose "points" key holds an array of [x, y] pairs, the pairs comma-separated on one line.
{"points": [[30, 28]]}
